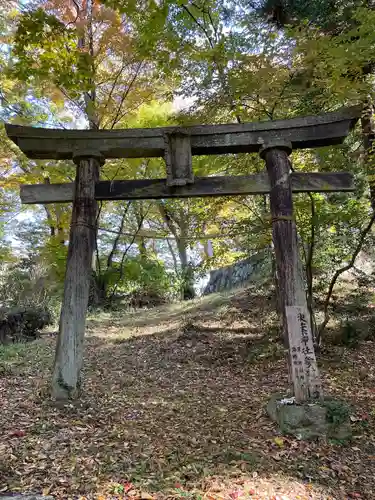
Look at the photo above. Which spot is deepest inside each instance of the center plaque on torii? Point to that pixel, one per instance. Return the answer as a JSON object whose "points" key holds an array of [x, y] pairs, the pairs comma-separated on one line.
{"points": [[273, 140]]}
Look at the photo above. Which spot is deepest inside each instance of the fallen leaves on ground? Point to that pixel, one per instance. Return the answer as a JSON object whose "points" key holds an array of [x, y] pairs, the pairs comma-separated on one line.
{"points": [[180, 414]]}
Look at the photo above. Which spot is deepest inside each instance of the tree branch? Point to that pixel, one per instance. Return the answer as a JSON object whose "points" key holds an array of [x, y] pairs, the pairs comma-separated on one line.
{"points": [[96, 236], [168, 219], [75, 103], [125, 254], [260, 219], [337, 274], [125, 94], [279, 97], [77, 13], [175, 264], [199, 25], [117, 239], [309, 260], [114, 83]]}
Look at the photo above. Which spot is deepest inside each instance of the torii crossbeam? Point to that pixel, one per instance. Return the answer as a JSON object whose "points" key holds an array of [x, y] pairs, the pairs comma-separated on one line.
{"points": [[274, 140]]}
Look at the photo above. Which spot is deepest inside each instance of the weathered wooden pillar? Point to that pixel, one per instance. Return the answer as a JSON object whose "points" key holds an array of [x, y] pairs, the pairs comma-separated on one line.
{"points": [[66, 380], [178, 158], [303, 368]]}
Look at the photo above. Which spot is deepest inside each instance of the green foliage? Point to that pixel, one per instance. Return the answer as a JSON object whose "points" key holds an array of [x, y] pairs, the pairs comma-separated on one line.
{"points": [[5, 249], [137, 282], [28, 283], [146, 274], [23, 324], [10, 356], [117, 489], [266, 351], [327, 14], [12, 352], [349, 335], [46, 49], [338, 412], [354, 331]]}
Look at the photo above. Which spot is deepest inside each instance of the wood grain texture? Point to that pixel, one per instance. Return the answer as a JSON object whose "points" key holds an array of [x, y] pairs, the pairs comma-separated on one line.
{"points": [[66, 380], [305, 380], [203, 186], [178, 159], [303, 132]]}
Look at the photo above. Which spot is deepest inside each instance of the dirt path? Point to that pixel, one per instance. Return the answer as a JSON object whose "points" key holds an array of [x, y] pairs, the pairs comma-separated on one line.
{"points": [[173, 407]]}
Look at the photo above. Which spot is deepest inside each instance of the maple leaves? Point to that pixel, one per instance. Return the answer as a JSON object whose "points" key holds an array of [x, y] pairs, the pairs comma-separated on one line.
{"points": [[45, 49], [17, 433], [89, 51]]}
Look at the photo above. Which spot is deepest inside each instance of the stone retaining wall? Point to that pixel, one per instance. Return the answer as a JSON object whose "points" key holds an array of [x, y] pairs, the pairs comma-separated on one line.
{"points": [[241, 273]]}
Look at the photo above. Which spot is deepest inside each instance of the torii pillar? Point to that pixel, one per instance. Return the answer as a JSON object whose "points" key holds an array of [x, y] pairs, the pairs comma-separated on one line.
{"points": [[66, 379], [303, 369]]}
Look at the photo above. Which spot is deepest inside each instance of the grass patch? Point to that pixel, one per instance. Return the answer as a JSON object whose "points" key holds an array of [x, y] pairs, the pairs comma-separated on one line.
{"points": [[266, 351], [11, 356], [13, 352]]}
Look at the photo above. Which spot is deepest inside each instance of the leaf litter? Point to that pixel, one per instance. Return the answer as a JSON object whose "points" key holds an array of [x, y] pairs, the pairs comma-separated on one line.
{"points": [[170, 413]]}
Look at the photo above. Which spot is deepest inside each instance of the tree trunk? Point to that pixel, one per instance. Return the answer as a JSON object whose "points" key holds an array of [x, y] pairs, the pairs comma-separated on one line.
{"points": [[296, 318], [66, 382], [180, 234], [141, 241], [99, 283], [55, 226], [173, 255], [278, 297], [368, 134], [113, 251], [188, 291], [208, 249]]}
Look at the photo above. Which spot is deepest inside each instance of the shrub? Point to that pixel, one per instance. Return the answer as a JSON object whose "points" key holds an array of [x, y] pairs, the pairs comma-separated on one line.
{"points": [[352, 332], [23, 323], [338, 412], [28, 284], [142, 282], [350, 335], [145, 298]]}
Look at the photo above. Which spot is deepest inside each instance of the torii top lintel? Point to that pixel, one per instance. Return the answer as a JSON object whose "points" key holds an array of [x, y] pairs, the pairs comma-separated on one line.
{"points": [[302, 132]]}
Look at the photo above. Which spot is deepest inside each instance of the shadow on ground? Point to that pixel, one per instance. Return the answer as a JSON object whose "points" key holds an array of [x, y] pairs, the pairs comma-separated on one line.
{"points": [[199, 308], [179, 413]]}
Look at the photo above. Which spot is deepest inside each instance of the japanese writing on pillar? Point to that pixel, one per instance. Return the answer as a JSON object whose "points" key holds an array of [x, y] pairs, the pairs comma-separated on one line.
{"points": [[298, 363], [306, 340], [302, 356]]}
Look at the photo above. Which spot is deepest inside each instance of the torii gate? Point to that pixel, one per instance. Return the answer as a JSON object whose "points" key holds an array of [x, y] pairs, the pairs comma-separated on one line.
{"points": [[274, 140]]}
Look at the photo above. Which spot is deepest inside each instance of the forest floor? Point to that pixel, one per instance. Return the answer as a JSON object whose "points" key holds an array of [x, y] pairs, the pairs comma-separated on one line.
{"points": [[174, 407]]}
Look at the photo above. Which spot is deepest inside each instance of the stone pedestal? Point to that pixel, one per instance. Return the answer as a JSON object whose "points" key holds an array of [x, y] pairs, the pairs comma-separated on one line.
{"points": [[327, 418]]}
